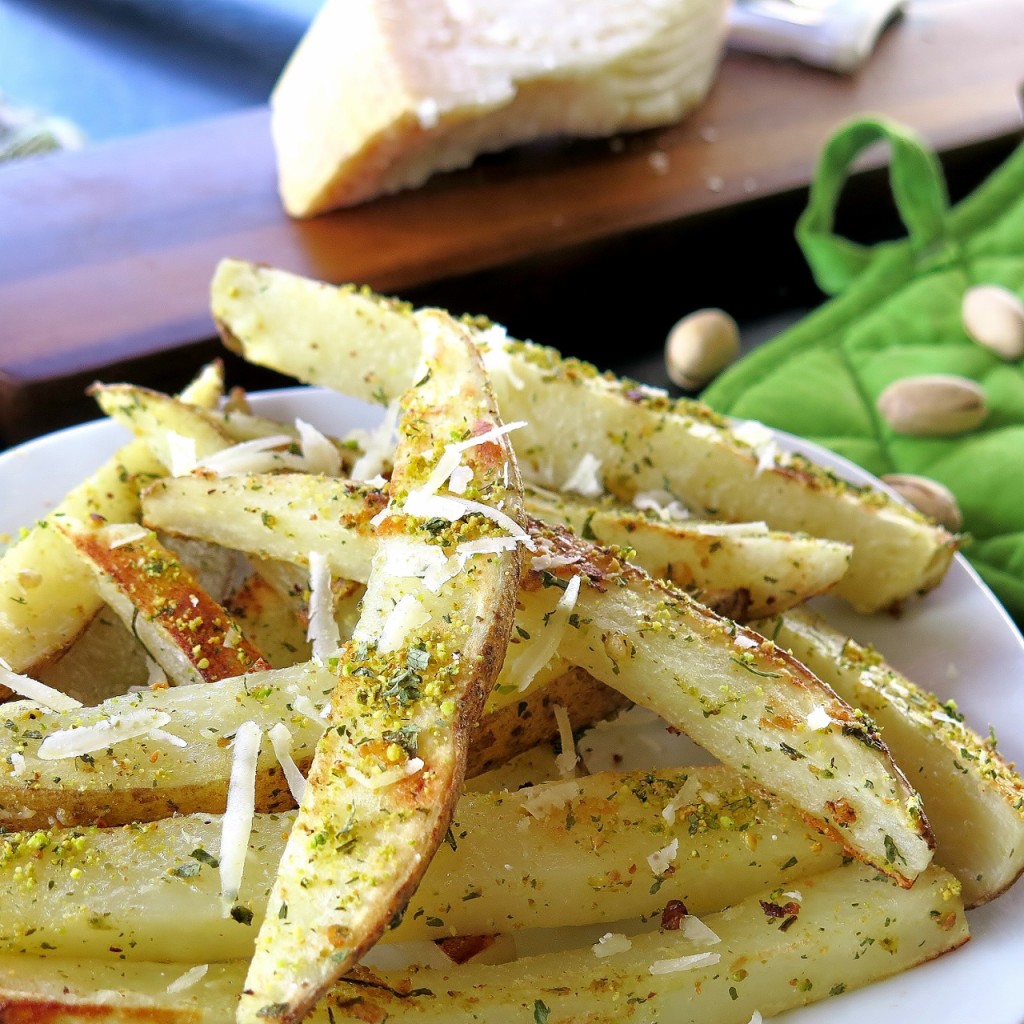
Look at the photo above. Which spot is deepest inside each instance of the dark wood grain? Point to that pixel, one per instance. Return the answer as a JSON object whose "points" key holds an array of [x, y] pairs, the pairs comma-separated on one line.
{"points": [[106, 254]]}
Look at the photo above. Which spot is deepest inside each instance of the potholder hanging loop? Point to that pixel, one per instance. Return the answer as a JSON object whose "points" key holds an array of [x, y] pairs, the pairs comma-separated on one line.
{"points": [[918, 188]]}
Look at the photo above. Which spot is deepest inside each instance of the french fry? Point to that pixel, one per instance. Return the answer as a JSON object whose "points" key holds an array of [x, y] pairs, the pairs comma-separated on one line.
{"points": [[975, 800], [833, 933], [412, 683], [561, 853], [640, 438]]}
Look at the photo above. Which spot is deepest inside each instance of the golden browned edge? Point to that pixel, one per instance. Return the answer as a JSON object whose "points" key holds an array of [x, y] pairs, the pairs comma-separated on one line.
{"points": [[178, 600], [31, 1010]]}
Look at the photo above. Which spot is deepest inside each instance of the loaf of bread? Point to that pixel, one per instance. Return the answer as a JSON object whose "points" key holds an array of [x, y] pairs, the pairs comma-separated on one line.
{"points": [[381, 94]]}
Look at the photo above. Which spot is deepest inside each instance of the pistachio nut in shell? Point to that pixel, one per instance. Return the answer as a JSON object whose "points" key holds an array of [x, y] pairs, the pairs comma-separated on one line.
{"points": [[928, 496], [993, 316], [700, 346], [932, 405]]}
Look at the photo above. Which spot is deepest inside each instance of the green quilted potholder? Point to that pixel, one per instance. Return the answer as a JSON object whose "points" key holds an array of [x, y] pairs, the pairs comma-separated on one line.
{"points": [[897, 314]]}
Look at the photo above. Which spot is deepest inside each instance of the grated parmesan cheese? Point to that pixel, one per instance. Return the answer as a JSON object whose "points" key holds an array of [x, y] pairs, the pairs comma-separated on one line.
{"points": [[407, 615], [460, 479], [703, 430], [552, 560], [543, 648], [696, 930], [494, 351], [409, 558], [167, 737], [818, 719], [684, 963], [117, 535], [318, 453], [763, 442], [187, 980], [260, 455], [304, 706], [32, 689], [281, 741], [567, 760], [661, 860], [610, 944], [385, 778], [181, 454], [322, 632], [585, 479], [377, 445], [549, 796], [85, 739], [664, 504], [752, 433], [238, 814]]}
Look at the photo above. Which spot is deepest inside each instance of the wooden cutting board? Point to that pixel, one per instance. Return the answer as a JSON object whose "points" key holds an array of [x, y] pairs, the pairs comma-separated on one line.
{"points": [[106, 254]]}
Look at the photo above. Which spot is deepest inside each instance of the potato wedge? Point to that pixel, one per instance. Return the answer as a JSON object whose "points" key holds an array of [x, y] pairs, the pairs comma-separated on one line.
{"points": [[281, 517], [412, 683], [641, 439], [553, 855], [851, 929], [739, 572], [735, 569], [206, 389], [848, 928], [47, 595], [145, 777], [738, 696], [188, 634], [725, 687], [157, 417], [973, 797]]}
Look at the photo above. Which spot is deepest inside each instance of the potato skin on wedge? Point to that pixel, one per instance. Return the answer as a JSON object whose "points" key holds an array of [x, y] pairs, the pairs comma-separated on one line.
{"points": [[411, 685]]}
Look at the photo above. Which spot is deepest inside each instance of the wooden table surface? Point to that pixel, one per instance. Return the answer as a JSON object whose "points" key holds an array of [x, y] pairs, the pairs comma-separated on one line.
{"points": [[106, 254]]}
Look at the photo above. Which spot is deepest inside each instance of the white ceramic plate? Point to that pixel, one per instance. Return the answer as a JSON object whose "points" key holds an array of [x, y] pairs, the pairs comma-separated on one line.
{"points": [[957, 642]]}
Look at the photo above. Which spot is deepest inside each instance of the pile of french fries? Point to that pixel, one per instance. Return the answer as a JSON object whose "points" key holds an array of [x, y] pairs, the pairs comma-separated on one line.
{"points": [[299, 726]]}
